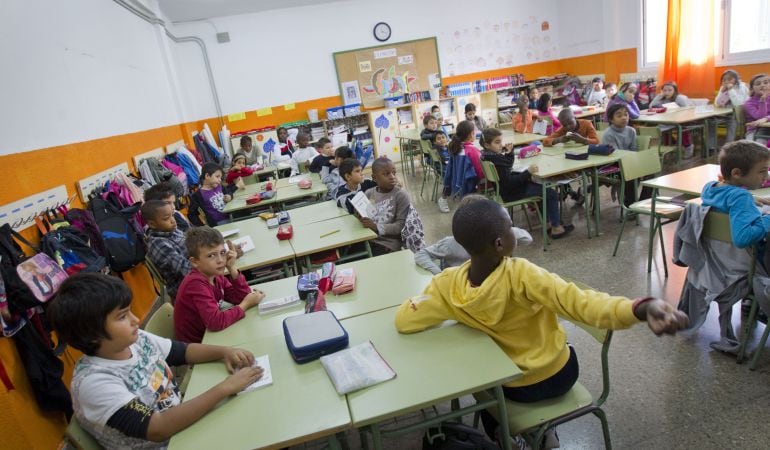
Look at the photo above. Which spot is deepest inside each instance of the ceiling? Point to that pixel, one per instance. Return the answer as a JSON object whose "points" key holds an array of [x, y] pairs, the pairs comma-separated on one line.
{"points": [[187, 10]]}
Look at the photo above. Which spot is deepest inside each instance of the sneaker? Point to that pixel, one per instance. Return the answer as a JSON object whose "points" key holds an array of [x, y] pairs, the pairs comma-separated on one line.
{"points": [[443, 206], [551, 439]]}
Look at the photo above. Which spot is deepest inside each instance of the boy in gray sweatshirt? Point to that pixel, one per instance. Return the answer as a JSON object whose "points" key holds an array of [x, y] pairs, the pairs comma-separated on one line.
{"points": [[619, 134]]}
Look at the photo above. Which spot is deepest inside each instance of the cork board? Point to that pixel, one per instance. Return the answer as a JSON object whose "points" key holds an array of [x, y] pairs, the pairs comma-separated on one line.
{"points": [[369, 75]]}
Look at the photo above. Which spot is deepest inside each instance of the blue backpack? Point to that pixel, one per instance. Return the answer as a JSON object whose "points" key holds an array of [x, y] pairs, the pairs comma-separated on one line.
{"points": [[125, 245]]}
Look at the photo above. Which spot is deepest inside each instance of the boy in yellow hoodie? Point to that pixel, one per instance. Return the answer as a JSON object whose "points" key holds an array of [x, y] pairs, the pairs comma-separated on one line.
{"points": [[517, 304]]}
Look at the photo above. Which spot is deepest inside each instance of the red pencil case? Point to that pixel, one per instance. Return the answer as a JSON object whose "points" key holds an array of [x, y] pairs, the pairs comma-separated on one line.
{"points": [[285, 232], [254, 199]]}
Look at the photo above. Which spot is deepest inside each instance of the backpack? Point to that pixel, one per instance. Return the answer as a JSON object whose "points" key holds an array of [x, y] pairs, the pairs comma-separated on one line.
{"points": [[456, 436], [83, 220], [20, 297], [69, 248], [413, 233], [125, 246]]}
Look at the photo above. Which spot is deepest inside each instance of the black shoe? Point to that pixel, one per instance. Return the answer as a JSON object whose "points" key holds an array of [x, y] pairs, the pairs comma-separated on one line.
{"points": [[567, 230]]}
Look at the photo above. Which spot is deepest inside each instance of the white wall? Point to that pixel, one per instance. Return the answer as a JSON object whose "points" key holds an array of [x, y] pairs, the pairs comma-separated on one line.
{"points": [[78, 70], [283, 56], [596, 26]]}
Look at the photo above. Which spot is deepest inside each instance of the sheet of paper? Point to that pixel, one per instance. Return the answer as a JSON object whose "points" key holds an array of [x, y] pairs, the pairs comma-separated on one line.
{"points": [[275, 304], [357, 367], [232, 232], [267, 376], [245, 243], [362, 205], [297, 178]]}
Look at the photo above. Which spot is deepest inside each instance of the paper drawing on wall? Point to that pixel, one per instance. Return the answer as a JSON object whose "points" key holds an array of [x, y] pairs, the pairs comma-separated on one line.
{"points": [[390, 84], [381, 123], [350, 92], [269, 146], [365, 66]]}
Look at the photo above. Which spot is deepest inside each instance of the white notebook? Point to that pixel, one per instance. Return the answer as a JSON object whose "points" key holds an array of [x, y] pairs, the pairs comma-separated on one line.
{"points": [[363, 206], [357, 367], [245, 243], [267, 376], [227, 233]]}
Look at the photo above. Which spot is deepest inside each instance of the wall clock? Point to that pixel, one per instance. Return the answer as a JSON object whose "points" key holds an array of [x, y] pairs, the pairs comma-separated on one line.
{"points": [[382, 31]]}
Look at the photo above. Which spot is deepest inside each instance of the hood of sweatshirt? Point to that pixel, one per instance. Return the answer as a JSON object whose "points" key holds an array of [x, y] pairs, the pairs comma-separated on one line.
{"points": [[720, 196]]}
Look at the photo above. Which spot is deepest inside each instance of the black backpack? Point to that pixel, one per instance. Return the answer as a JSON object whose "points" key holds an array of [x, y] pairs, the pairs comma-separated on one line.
{"points": [[125, 246], [20, 298], [69, 247], [456, 436]]}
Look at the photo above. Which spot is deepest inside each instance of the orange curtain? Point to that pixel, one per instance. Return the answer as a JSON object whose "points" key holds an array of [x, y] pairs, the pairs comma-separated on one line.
{"points": [[690, 46]]}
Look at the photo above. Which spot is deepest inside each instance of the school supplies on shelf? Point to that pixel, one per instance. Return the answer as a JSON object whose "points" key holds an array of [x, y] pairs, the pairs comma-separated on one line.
{"points": [[267, 376], [356, 368]]}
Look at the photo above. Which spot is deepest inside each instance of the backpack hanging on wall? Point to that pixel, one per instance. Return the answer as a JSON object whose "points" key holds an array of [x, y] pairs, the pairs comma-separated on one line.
{"points": [[20, 297], [125, 246], [69, 248]]}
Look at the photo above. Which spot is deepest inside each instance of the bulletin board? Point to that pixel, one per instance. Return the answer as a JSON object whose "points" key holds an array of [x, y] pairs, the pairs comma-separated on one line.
{"points": [[369, 75]]}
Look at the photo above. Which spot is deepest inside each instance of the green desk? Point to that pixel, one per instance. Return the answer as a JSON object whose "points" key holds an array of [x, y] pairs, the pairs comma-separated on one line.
{"points": [[299, 406], [286, 181], [293, 192], [314, 237], [285, 192], [432, 367], [267, 248], [316, 213], [512, 137], [381, 282], [679, 117]]}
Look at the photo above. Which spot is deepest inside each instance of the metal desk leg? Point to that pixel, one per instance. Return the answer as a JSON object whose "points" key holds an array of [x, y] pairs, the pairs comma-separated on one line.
{"points": [[334, 443], [544, 217], [368, 249], [651, 239], [502, 413], [584, 186], [678, 143], [308, 264], [376, 436]]}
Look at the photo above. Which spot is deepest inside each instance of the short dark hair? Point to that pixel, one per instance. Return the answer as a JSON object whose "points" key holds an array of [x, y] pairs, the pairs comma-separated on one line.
{"points": [[441, 132], [209, 169], [321, 142], [489, 135], [380, 163], [245, 140], [615, 107], [160, 191], [347, 166], [79, 310], [344, 152], [151, 208], [565, 113], [197, 238], [741, 155], [470, 107], [477, 224], [542, 102], [427, 119], [597, 80], [303, 135]]}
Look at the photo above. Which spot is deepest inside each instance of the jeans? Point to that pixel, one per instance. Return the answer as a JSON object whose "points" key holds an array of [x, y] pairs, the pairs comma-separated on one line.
{"points": [[552, 202]]}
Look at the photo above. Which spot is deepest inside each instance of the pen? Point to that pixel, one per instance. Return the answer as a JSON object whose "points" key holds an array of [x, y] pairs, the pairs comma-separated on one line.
{"points": [[329, 233]]}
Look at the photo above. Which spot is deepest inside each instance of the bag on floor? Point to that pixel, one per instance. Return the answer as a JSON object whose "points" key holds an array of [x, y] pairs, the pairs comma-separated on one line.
{"points": [[456, 436]]}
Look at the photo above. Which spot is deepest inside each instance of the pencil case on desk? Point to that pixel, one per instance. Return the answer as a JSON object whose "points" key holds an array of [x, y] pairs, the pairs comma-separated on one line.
{"points": [[600, 149], [285, 232], [344, 281], [254, 199], [569, 154], [310, 336], [307, 283]]}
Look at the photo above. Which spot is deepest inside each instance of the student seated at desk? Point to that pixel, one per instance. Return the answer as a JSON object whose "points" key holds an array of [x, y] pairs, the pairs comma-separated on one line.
{"points": [[392, 208], [524, 118], [517, 185], [623, 137], [197, 301], [544, 111], [669, 93], [577, 130], [441, 144], [571, 92], [210, 198], [757, 109], [596, 95], [239, 169], [351, 171], [303, 155], [626, 97], [330, 176], [431, 125], [326, 154], [732, 92], [250, 151], [470, 115], [163, 191], [534, 96], [449, 253], [517, 304], [463, 171], [165, 244], [744, 165], [285, 145], [122, 388]]}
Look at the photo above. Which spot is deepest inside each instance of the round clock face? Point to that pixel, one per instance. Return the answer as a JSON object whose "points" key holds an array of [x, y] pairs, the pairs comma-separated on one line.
{"points": [[382, 31]]}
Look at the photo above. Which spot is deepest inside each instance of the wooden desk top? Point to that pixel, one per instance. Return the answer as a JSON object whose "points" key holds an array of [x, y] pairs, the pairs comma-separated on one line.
{"points": [[690, 181], [682, 115], [313, 238]]}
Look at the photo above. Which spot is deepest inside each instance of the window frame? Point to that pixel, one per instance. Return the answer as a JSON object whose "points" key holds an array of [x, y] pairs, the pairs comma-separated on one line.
{"points": [[642, 64], [724, 57]]}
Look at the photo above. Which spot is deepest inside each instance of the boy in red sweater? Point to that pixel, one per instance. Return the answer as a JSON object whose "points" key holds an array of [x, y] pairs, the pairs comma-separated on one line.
{"points": [[197, 301]]}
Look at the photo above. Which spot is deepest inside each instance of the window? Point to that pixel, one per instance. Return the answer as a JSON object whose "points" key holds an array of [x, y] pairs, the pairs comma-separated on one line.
{"points": [[745, 31], [654, 19]]}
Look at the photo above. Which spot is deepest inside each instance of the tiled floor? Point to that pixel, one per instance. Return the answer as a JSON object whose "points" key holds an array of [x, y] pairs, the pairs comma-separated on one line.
{"points": [[667, 392]]}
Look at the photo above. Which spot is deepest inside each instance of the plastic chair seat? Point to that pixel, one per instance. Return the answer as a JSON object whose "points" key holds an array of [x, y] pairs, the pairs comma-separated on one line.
{"points": [[526, 416], [80, 438], [645, 207]]}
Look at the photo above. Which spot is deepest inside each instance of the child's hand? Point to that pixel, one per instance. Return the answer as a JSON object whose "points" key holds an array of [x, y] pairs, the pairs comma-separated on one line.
{"points": [[238, 250], [533, 169], [228, 198], [232, 254], [240, 379], [368, 223], [237, 358], [239, 183], [762, 201], [662, 317], [253, 298]]}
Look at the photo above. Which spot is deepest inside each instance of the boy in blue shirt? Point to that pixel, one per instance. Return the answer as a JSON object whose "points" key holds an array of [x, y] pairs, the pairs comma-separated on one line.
{"points": [[123, 388], [744, 165]]}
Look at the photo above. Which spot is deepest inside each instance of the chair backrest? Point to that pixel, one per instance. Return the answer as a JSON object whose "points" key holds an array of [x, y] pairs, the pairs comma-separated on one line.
{"points": [[635, 165], [716, 225], [491, 176], [740, 121], [157, 278], [80, 438], [425, 146], [251, 179], [643, 142], [438, 165], [161, 322]]}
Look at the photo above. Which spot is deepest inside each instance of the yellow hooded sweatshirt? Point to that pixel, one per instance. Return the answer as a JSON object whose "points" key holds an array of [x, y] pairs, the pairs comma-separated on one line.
{"points": [[517, 305]]}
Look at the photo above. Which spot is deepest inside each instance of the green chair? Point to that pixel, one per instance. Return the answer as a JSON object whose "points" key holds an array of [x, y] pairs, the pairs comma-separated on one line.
{"points": [[601, 126], [426, 170], [161, 323], [740, 120], [533, 420], [634, 167], [80, 438], [656, 139], [157, 279], [493, 193], [437, 168]]}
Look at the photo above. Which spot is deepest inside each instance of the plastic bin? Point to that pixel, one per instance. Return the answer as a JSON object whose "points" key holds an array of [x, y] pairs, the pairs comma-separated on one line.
{"points": [[392, 102], [335, 113], [352, 109]]}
